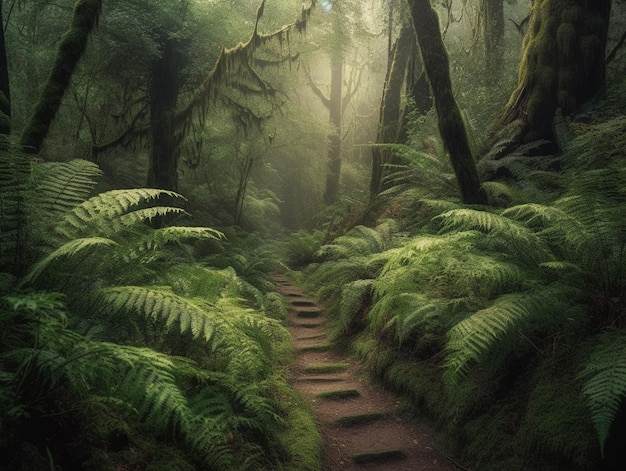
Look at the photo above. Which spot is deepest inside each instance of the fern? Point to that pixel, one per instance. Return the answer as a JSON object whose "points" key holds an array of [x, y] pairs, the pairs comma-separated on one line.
{"points": [[68, 250], [604, 373], [474, 338], [354, 295], [97, 213], [64, 185], [15, 170], [503, 232]]}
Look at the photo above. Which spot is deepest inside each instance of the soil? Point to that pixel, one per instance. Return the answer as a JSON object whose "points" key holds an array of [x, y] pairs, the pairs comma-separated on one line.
{"points": [[363, 427]]}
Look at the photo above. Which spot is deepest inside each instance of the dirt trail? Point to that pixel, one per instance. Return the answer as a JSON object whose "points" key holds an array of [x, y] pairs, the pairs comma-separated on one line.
{"points": [[360, 424]]}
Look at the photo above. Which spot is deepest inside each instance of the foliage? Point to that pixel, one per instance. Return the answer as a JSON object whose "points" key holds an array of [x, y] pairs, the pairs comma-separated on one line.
{"points": [[184, 352], [496, 295]]}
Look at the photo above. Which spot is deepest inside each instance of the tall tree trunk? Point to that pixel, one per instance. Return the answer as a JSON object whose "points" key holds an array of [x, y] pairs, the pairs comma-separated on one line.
{"points": [[5, 94], [563, 64], [451, 126], [335, 107], [164, 89], [493, 36], [390, 113], [71, 49]]}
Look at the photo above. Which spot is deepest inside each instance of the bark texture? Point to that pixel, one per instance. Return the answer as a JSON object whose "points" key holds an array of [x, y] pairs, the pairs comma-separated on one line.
{"points": [[71, 49], [450, 122], [391, 111], [563, 64], [164, 89], [5, 94], [335, 108], [493, 36]]}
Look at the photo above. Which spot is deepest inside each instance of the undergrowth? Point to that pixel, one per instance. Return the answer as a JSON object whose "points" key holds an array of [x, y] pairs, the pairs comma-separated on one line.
{"points": [[505, 325], [120, 347]]}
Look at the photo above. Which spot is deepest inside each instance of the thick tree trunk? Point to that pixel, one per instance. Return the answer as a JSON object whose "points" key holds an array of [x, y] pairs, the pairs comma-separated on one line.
{"points": [[5, 94], [563, 64], [335, 107], [451, 126], [493, 36], [72, 46], [164, 88], [390, 113]]}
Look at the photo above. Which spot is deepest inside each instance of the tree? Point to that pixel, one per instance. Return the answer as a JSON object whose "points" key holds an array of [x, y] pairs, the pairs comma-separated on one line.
{"points": [[70, 50], [391, 112], [492, 14], [563, 64], [5, 95], [450, 122]]}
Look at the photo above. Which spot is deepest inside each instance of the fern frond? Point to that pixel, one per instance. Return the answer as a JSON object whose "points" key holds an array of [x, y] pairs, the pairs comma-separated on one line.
{"points": [[67, 250], [158, 304], [64, 185], [475, 337], [353, 296], [98, 211], [15, 171], [505, 233], [604, 373]]}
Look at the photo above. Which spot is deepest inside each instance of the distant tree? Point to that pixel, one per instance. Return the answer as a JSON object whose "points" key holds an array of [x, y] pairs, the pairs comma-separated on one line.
{"points": [[389, 126], [492, 15], [70, 50], [5, 94], [563, 64], [451, 126]]}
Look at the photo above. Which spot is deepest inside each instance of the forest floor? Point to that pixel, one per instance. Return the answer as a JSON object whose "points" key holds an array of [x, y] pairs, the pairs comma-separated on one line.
{"points": [[363, 427]]}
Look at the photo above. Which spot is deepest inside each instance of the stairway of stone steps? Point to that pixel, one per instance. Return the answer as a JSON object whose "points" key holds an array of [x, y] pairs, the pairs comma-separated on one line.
{"points": [[361, 425]]}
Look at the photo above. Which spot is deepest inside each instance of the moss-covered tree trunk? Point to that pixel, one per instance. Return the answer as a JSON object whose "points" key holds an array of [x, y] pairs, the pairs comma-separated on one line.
{"points": [[390, 113], [71, 48], [493, 36], [563, 64], [450, 122], [164, 89]]}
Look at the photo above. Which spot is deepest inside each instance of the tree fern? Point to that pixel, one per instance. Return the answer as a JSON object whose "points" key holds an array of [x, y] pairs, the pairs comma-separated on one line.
{"points": [[604, 373]]}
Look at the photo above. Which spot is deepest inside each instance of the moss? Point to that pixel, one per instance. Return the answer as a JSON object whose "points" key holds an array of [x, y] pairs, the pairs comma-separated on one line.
{"points": [[565, 38], [300, 437], [572, 14], [556, 422]]}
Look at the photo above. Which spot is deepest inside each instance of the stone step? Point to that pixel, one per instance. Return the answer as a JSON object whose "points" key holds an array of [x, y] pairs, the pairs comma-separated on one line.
{"points": [[378, 456], [338, 394], [316, 347], [359, 419], [311, 313], [326, 368], [303, 302]]}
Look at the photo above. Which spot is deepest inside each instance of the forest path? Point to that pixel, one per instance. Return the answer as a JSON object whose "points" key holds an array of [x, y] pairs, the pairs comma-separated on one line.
{"points": [[361, 425]]}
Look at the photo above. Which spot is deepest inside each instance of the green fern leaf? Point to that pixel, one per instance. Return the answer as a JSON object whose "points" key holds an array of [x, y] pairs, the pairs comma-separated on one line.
{"points": [[475, 337], [97, 212], [160, 305], [68, 250], [65, 185], [604, 372]]}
